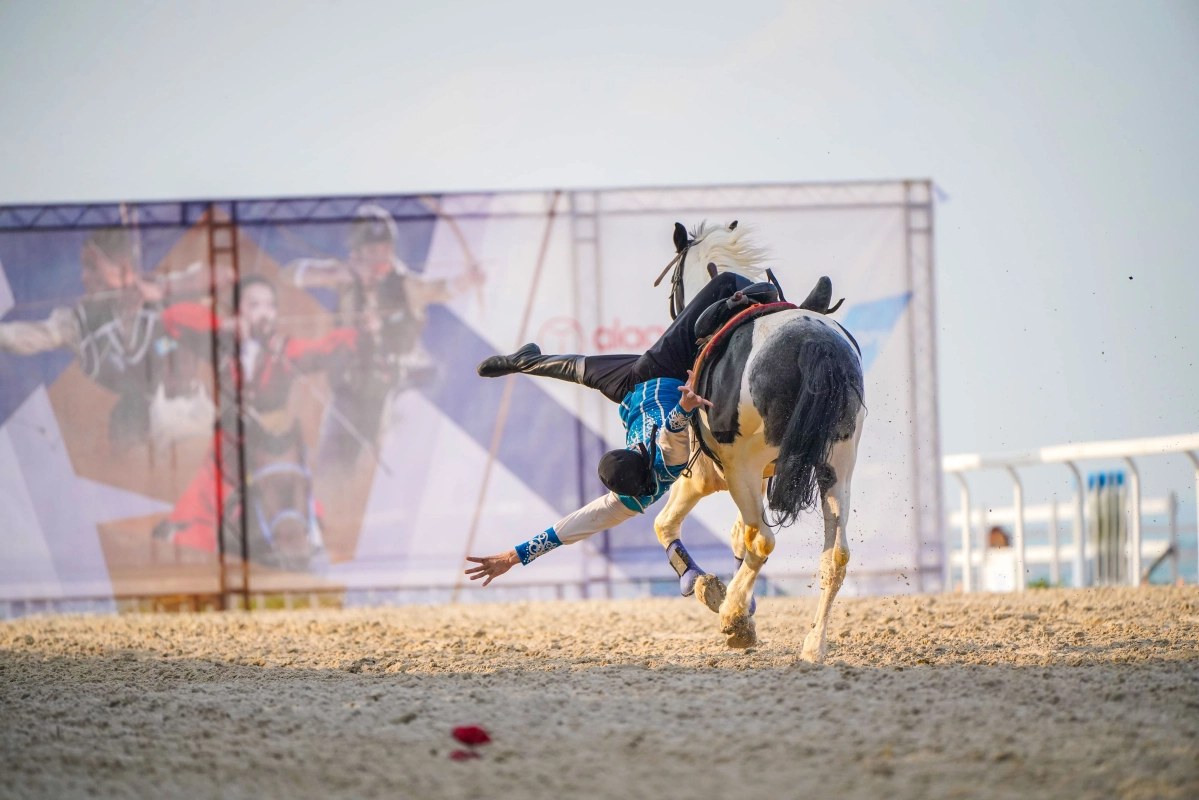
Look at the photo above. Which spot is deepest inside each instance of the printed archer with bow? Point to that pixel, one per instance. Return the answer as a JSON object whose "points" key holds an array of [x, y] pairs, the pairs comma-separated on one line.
{"points": [[381, 296]]}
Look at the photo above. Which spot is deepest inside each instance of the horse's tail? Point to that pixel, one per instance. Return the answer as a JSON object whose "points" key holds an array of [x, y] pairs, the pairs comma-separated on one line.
{"points": [[826, 407]]}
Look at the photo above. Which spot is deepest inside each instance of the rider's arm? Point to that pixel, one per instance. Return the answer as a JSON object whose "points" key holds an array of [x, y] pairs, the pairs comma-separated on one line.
{"points": [[601, 514], [194, 279], [424, 292], [183, 318], [316, 273], [314, 355], [60, 329], [598, 515], [674, 440]]}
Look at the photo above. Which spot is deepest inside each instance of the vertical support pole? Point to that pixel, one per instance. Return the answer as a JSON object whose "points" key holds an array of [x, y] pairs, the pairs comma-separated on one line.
{"points": [[1172, 522], [218, 490], [1055, 567], [1018, 502], [1194, 457], [967, 554], [984, 544], [229, 442], [1134, 543], [1080, 532]]}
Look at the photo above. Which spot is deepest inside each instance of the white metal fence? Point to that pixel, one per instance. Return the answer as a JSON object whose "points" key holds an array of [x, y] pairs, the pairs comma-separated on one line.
{"points": [[1138, 549], [1062, 561]]}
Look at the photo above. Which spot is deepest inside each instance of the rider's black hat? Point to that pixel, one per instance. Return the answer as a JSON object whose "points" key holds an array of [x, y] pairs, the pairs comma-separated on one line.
{"points": [[631, 472]]}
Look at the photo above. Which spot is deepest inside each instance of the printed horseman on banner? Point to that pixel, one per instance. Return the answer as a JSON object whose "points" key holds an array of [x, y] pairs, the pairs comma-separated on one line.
{"points": [[282, 517], [379, 295], [117, 331]]}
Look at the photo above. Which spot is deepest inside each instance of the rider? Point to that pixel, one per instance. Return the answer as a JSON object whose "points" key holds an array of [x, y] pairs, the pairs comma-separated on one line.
{"points": [[655, 415], [270, 364]]}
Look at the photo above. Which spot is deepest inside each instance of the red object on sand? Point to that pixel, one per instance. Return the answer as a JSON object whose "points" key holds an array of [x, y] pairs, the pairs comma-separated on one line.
{"points": [[471, 735], [463, 755]]}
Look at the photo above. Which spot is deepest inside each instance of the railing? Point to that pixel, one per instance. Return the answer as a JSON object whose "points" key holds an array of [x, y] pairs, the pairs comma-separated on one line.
{"points": [[1068, 456], [1056, 551]]}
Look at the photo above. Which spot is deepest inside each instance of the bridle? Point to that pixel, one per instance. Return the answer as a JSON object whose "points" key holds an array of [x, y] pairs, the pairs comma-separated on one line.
{"points": [[676, 280]]}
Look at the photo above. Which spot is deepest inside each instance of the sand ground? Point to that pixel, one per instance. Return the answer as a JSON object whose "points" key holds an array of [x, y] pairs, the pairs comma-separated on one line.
{"points": [[1050, 694]]}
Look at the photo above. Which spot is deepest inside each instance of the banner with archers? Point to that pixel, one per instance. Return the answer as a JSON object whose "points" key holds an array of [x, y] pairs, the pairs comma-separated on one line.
{"points": [[370, 455]]}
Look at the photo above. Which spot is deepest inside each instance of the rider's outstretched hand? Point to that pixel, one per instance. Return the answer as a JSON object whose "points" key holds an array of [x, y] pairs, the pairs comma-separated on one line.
{"points": [[491, 567], [690, 400]]}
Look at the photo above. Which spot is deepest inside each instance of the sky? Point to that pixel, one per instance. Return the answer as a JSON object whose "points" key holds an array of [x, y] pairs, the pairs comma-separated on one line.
{"points": [[1064, 138]]}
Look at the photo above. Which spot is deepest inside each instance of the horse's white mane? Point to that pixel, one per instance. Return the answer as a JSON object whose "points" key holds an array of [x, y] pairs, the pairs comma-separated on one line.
{"points": [[730, 250]]}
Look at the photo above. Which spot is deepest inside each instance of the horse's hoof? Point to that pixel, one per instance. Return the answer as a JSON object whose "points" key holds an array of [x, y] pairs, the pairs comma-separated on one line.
{"points": [[741, 632], [711, 591], [812, 652]]}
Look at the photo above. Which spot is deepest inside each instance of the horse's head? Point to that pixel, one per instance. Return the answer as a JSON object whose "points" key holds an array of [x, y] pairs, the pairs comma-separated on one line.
{"points": [[708, 250], [281, 508]]}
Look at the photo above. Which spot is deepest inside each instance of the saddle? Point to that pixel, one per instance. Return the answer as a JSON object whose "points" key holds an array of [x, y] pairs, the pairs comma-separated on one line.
{"points": [[817, 300]]}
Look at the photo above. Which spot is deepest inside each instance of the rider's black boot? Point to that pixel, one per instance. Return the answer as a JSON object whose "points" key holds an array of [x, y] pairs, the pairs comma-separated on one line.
{"points": [[529, 361], [720, 312]]}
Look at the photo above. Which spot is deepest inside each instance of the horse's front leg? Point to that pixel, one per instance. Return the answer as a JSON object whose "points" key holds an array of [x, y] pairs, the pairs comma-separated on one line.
{"points": [[834, 502], [684, 494], [755, 545]]}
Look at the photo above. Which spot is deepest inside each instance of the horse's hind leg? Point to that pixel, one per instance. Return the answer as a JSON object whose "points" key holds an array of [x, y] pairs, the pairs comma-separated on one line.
{"points": [[834, 501]]}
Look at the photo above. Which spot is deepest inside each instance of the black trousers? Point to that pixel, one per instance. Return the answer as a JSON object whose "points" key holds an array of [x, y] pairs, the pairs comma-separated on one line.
{"points": [[671, 356]]}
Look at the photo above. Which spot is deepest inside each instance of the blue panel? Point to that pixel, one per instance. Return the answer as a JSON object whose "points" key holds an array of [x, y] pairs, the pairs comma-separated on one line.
{"points": [[871, 323]]}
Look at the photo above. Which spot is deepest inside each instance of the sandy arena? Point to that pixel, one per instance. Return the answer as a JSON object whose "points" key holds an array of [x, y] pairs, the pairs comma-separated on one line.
{"points": [[1052, 694]]}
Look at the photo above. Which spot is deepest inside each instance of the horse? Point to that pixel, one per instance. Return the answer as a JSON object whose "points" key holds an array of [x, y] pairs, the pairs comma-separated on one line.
{"points": [[788, 395], [281, 520]]}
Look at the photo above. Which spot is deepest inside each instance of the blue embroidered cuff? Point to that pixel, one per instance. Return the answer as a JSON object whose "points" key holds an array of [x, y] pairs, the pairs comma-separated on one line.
{"points": [[539, 545], [677, 419]]}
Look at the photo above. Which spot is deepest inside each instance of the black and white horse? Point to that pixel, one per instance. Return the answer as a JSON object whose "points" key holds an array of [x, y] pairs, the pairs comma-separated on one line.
{"points": [[787, 390]]}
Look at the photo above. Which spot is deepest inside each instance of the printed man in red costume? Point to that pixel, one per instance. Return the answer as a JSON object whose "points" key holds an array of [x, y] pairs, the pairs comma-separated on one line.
{"points": [[270, 363]]}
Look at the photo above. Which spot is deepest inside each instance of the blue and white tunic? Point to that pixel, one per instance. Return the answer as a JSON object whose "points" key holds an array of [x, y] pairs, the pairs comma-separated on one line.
{"points": [[651, 404], [655, 404]]}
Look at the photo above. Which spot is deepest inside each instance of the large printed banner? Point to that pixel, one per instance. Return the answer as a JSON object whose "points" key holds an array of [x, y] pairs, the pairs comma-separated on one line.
{"points": [[332, 433]]}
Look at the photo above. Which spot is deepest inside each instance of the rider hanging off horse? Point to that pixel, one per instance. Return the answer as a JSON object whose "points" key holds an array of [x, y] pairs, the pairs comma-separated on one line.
{"points": [[657, 393]]}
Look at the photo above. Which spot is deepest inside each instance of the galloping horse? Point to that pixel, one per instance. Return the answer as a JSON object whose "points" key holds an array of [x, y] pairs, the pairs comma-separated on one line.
{"points": [[787, 389]]}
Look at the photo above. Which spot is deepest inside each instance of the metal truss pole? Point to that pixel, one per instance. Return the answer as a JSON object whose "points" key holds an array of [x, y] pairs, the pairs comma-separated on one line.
{"points": [[229, 446]]}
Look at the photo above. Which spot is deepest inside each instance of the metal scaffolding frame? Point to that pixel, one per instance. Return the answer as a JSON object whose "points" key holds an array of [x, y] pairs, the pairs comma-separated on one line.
{"points": [[221, 221]]}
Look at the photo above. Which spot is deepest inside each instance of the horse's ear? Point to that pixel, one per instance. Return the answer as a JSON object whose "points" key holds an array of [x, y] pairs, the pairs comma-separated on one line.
{"points": [[712, 269], [733, 227], [680, 237]]}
